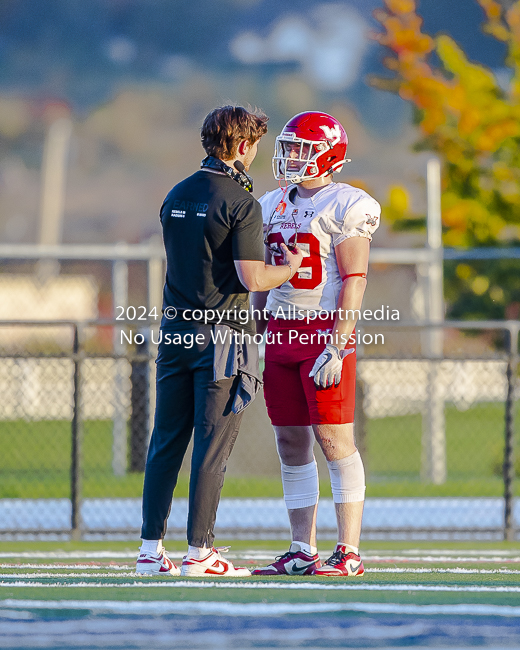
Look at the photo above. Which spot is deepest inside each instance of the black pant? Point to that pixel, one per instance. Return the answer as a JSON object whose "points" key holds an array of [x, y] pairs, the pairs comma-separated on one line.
{"points": [[188, 400]]}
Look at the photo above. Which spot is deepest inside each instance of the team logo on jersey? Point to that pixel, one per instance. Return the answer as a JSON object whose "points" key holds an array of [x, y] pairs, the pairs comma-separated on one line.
{"points": [[371, 220], [280, 208], [332, 133], [308, 214]]}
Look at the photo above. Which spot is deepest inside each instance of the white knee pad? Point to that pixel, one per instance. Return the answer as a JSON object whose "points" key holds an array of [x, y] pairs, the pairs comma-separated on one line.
{"points": [[300, 485], [347, 479]]}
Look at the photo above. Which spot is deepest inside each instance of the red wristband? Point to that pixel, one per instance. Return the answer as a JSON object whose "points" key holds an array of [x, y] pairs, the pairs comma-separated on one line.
{"points": [[349, 275]]}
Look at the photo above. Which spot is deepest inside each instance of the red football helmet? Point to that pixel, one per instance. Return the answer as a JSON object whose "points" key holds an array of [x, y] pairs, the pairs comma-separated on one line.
{"points": [[311, 145]]}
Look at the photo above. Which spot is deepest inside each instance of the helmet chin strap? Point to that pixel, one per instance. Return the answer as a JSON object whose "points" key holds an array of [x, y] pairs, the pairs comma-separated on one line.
{"points": [[294, 178], [297, 177]]}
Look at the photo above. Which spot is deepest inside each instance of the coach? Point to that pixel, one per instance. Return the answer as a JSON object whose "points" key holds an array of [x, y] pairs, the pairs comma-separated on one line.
{"points": [[212, 230]]}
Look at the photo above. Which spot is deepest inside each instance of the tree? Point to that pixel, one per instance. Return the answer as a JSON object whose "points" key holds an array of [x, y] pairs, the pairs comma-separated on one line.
{"points": [[471, 120]]}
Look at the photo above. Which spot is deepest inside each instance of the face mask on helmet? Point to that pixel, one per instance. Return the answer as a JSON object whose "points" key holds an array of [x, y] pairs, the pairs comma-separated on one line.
{"points": [[311, 145]]}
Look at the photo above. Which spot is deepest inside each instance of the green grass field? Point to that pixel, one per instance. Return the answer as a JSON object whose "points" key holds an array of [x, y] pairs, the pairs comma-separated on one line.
{"points": [[400, 571], [427, 594], [392, 458]]}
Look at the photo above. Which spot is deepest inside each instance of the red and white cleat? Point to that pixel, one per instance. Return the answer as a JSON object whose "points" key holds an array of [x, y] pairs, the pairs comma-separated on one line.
{"points": [[153, 564], [342, 563], [213, 565], [293, 563]]}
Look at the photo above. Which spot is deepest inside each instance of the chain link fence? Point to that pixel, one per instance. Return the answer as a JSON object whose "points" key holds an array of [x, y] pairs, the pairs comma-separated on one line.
{"points": [[436, 435], [435, 407]]}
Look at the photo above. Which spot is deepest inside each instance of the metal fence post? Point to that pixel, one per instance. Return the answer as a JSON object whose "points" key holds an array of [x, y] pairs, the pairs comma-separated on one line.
{"points": [[119, 422], [509, 447], [77, 436], [140, 406], [433, 466], [54, 171], [155, 298]]}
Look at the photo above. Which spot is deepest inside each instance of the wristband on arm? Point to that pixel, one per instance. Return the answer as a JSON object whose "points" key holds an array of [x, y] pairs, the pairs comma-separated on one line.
{"points": [[350, 275]]}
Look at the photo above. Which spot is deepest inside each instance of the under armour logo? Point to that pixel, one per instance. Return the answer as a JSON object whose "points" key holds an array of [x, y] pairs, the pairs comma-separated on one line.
{"points": [[308, 214], [332, 133]]}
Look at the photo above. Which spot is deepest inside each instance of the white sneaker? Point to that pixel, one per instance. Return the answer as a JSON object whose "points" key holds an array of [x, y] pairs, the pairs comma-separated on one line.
{"points": [[153, 564], [212, 565]]}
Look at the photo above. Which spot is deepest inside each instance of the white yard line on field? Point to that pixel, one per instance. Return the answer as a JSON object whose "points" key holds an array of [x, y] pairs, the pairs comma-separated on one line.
{"points": [[51, 555], [106, 572], [416, 551], [98, 574], [196, 608], [439, 559], [407, 556], [302, 586], [75, 567], [455, 570]]}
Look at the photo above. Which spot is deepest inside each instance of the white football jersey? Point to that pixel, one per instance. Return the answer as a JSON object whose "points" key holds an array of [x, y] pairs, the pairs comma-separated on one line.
{"points": [[335, 213]]}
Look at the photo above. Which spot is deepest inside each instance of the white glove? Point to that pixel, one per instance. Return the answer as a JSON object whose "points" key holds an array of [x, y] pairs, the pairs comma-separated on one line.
{"points": [[328, 366]]}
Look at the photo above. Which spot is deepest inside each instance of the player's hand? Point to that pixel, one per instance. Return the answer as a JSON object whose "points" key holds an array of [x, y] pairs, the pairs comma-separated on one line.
{"points": [[292, 256], [327, 368]]}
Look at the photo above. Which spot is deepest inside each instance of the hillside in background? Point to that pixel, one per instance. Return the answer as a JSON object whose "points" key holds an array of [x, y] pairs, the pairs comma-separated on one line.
{"points": [[78, 49], [137, 78]]}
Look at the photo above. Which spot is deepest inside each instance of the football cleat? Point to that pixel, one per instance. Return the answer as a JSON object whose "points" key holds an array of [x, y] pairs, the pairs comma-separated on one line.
{"points": [[213, 565], [155, 564], [342, 563], [293, 563]]}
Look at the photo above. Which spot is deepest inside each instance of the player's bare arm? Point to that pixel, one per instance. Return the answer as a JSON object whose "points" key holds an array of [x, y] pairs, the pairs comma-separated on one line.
{"points": [[352, 258]]}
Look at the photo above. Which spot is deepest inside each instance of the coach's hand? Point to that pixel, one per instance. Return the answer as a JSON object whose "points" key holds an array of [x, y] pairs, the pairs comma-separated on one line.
{"points": [[292, 256], [326, 370]]}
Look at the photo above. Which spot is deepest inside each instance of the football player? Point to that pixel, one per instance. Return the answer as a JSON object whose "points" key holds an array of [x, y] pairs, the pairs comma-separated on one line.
{"points": [[310, 359]]}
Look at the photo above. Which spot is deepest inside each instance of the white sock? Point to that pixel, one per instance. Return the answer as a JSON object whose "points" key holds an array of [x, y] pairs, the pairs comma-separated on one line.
{"points": [[152, 546], [310, 550], [198, 552], [349, 547]]}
